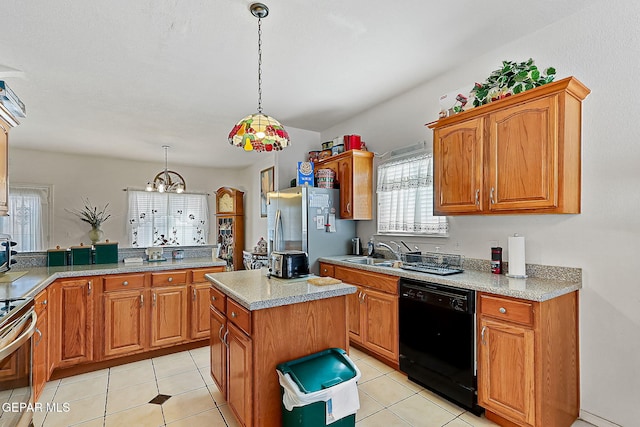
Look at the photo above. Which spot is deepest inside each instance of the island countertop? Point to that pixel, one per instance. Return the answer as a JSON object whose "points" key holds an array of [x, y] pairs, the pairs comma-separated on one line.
{"points": [[253, 290], [36, 279]]}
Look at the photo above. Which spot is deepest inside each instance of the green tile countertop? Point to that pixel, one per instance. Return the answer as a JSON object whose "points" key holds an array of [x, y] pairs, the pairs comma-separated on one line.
{"points": [[254, 290], [38, 278], [531, 288]]}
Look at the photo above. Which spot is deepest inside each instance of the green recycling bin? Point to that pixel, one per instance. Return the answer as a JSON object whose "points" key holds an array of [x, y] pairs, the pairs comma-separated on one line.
{"points": [[319, 390]]}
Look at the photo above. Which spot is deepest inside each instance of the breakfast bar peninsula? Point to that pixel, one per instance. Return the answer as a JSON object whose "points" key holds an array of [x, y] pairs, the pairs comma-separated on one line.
{"points": [[258, 322]]}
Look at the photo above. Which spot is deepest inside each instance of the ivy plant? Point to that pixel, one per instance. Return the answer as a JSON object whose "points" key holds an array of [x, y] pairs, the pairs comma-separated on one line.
{"points": [[511, 79]]}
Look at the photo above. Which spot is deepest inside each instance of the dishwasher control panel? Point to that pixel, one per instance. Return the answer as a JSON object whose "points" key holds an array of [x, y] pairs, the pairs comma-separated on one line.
{"points": [[437, 295]]}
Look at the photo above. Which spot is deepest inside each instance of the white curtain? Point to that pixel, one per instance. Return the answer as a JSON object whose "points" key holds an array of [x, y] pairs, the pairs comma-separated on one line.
{"points": [[405, 197], [28, 218], [167, 219]]}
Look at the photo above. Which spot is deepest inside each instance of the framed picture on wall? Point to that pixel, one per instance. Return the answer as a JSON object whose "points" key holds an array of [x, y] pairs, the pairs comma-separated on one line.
{"points": [[266, 185]]}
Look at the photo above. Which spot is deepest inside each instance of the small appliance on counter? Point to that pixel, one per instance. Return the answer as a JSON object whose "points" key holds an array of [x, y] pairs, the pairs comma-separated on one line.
{"points": [[154, 254], [288, 264], [6, 252]]}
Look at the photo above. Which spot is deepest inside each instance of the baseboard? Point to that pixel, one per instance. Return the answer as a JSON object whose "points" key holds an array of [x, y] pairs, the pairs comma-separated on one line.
{"points": [[596, 420]]}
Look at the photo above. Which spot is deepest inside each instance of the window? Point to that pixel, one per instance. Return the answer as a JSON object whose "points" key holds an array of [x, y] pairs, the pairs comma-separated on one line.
{"points": [[167, 219], [405, 197], [28, 220]]}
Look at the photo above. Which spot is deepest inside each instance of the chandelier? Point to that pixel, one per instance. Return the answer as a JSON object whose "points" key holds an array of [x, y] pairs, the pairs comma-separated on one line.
{"points": [[167, 181], [259, 132]]}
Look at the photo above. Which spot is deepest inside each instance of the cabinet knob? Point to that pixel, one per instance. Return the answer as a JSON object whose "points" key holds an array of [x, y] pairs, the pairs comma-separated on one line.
{"points": [[233, 314], [125, 283], [213, 298], [502, 310], [44, 302], [170, 279]]}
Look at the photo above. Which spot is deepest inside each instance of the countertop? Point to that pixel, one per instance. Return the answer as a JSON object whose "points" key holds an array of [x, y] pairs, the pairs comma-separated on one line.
{"points": [[254, 290], [39, 278], [531, 288]]}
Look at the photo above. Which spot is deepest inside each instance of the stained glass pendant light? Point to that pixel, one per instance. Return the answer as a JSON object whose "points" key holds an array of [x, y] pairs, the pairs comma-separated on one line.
{"points": [[259, 132]]}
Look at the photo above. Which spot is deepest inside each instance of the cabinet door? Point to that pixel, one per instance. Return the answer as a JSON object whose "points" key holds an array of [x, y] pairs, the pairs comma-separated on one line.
{"points": [[168, 316], [199, 311], [240, 390], [218, 350], [40, 354], [506, 348], [71, 322], [458, 173], [345, 179], [125, 323], [354, 304], [523, 156], [380, 319]]}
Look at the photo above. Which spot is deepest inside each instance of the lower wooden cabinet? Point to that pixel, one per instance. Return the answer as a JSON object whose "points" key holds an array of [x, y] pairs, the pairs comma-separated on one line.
{"points": [[246, 346], [372, 310], [125, 322], [168, 316], [71, 321], [199, 325], [528, 360]]}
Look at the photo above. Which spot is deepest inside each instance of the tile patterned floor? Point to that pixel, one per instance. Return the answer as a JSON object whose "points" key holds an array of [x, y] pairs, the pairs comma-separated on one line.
{"points": [[120, 397]]}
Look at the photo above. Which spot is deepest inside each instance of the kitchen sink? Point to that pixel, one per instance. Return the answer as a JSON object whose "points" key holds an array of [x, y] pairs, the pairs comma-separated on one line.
{"points": [[380, 262]]}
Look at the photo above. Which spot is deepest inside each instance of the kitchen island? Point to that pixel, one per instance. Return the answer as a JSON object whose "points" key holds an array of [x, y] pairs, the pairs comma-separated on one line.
{"points": [[258, 322]]}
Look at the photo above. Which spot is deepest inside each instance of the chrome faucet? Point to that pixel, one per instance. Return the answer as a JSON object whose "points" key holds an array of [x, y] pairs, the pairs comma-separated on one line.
{"points": [[395, 252]]}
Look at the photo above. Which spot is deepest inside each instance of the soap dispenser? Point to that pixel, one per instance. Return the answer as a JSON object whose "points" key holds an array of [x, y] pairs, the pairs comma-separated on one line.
{"points": [[371, 247]]}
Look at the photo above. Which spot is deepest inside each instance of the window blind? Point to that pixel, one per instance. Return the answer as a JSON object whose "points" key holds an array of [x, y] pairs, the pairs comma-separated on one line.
{"points": [[167, 219], [405, 197]]}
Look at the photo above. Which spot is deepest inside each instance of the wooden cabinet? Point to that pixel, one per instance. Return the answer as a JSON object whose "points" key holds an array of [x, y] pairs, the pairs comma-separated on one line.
{"points": [[40, 370], [372, 311], [354, 176], [230, 224], [168, 316], [125, 322], [517, 155], [4, 167], [528, 360], [71, 319], [199, 295], [246, 347]]}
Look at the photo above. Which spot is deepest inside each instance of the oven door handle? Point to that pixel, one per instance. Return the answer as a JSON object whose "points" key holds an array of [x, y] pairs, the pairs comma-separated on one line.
{"points": [[24, 337]]}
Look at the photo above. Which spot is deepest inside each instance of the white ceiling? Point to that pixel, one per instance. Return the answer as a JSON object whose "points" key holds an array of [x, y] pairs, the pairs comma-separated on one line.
{"points": [[122, 78]]}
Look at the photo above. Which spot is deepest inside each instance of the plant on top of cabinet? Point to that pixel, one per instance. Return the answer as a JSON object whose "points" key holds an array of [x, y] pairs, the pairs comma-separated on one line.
{"points": [[511, 79]]}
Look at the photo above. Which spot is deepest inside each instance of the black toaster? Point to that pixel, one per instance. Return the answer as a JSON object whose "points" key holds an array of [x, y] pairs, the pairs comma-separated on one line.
{"points": [[288, 264]]}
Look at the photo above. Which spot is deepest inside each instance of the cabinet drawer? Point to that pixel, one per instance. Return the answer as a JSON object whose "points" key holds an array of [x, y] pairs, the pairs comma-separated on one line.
{"points": [[125, 281], [327, 270], [169, 278], [198, 275], [217, 299], [41, 301], [239, 315], [513, 310], [381, 282]]}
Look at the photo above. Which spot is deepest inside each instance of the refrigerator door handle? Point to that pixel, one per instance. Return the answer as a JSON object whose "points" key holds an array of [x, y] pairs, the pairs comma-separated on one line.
{"points": [[278, 224]]}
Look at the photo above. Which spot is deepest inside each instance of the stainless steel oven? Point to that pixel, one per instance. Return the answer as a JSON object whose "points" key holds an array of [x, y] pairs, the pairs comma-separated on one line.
{"points": [[17, 326]]}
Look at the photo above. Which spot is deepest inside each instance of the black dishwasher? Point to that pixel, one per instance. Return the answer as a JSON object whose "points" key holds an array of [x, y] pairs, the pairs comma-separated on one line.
{"points": [[437, 340]]}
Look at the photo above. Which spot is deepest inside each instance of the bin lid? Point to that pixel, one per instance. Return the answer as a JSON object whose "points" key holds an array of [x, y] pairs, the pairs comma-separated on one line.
{"points": [[320, 370]]}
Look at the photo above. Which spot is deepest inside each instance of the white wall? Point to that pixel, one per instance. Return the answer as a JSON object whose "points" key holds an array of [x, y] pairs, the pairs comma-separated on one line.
{"points": [[102, 181], [599, 46]]}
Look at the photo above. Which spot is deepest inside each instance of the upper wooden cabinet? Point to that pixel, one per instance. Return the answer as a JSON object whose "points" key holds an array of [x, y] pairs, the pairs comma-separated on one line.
{"points": [[354, 175], [517, 155]]}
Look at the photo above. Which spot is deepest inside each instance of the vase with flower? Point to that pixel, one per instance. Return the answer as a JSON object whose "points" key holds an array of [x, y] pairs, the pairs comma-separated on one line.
{"points": [[93, 215]]}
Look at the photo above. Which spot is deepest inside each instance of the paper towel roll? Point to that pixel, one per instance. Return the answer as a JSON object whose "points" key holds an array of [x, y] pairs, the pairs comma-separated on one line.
{"points": [[517, 266]]}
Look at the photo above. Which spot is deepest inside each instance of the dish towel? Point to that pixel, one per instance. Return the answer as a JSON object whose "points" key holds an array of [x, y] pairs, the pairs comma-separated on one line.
{"points": [[343, 402]]}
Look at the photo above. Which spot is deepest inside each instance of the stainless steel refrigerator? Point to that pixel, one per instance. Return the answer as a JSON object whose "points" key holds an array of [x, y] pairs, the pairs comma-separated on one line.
{"points": [[307, 219]]}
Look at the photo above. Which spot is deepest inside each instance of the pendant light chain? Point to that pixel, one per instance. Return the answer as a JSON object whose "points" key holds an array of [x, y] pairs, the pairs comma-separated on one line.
{"points": [[260, 65]]}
